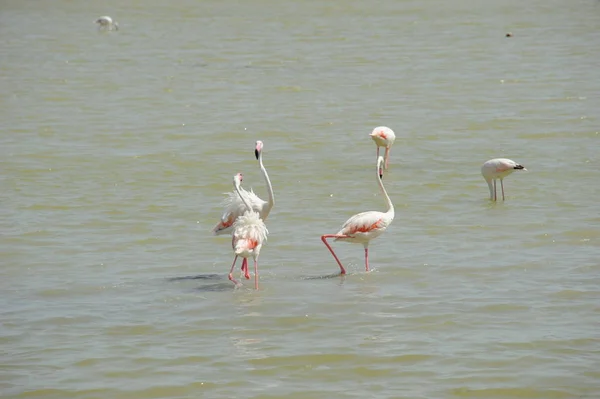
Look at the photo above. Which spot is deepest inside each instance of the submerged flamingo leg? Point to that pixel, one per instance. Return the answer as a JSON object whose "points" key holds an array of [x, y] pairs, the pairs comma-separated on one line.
{"points": [[324, 239], [245, 269], [231, 272], [255, 273], [502, 185], [387, 157], [367, 258]]}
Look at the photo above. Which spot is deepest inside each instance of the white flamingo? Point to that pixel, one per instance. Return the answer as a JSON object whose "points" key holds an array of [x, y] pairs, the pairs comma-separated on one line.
{"points": [[249, 234], [107, 23], [363, 227], [498, 168], [383, 137], [234, 207]]}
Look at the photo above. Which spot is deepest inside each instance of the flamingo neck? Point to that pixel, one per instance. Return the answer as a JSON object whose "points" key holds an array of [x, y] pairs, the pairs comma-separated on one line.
{"points": [[236, 186], [388, 201], [271, 201]]}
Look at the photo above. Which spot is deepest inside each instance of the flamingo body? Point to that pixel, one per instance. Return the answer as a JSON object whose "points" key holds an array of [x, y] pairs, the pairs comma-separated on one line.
{"points": [[235, 207], [249, 235], [498, 169], [106, 22], [383, 136], [365, 226]]}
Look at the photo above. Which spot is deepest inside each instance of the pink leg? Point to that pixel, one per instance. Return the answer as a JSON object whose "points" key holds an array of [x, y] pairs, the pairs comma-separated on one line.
{"points": [[502, 185], [245, 269], [231, 271], [377, 156], [387, 157], [495, 195], [324, 239], [255, 273], [367, 258]]}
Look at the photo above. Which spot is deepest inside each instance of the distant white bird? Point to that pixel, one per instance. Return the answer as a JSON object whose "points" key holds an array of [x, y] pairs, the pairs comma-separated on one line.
{"points": [[383, 137], [106, 23], [365, 226], [234, 207], [498, 168], [249, 234]]}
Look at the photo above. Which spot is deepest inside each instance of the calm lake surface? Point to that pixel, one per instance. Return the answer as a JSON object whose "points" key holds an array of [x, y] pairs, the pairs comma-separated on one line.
{"points": [[116, 149]]}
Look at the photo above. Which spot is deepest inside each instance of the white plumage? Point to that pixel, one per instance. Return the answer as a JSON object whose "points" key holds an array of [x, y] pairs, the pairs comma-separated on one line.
{"points": [[105, 22], [498, 168], [235, 207], [383, 136], [249, 234], [365, 226]]}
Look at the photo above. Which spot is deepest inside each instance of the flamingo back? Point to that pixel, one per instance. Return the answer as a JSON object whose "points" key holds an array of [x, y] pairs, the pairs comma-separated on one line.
{"points": [[249, 234], [235, 207], [383, 136], [365, 226]]}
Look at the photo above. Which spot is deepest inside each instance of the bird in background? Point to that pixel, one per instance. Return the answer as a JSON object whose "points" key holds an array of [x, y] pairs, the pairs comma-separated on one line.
{"points": [[106, 23], [364, 227], [249, 234], [234, 207], [498, 168], [383, 137]]}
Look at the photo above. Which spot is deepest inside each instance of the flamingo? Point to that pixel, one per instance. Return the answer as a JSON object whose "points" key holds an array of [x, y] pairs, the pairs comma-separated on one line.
{"points": [[498, 168], [383, 137], [107, 23], [365, 226], [234, 207], [249, 234]]}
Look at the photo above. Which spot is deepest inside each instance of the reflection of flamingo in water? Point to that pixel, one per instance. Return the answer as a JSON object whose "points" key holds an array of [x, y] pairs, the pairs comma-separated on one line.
{"points": [[498, 168], [249, 234], [234, 207], [363, 227], [383, 137]]}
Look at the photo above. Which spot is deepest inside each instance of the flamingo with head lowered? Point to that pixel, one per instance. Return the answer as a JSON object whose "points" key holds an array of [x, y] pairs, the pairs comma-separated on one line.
{"points": [[498, 168], [249, 234], [107, 23], [363, 227]]}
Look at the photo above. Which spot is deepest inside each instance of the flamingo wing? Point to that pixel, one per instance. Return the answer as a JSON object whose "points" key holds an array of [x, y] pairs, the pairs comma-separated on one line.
{"points": [[365, 222], [502, 165], [234, 208]]}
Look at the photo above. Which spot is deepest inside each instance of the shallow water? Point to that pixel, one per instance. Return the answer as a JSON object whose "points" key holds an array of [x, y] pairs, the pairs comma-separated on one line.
{"points": [[117, 146]]}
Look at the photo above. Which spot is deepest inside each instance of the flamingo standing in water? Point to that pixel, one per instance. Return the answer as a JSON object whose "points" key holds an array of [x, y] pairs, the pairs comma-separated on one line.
{"points": [[249, 234], [383, 137], [235, 207], [363, 227], [498, 168]]}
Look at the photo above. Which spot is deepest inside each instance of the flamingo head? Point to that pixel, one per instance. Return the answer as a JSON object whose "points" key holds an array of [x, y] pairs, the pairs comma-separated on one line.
{"points": [[258, 149], [237, 179]]}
